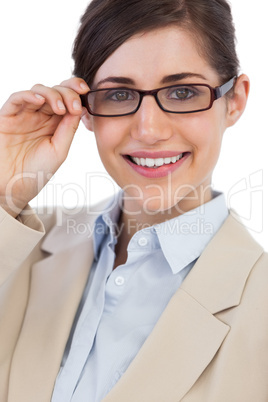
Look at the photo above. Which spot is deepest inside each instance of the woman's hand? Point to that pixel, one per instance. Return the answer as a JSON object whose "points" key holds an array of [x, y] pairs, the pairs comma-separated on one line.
{"points": [[36, 131]]}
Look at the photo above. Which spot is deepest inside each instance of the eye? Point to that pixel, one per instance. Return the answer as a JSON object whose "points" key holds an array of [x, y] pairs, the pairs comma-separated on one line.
{"points": [[120, 95], [182, 93]]}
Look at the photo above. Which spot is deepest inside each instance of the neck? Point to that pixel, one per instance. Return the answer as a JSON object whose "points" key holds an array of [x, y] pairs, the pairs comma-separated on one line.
{"points": [[134, 217]]}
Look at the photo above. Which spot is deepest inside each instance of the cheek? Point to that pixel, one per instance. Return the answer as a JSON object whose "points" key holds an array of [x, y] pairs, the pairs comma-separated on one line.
{"points": [[109, 138], [205, 133]]}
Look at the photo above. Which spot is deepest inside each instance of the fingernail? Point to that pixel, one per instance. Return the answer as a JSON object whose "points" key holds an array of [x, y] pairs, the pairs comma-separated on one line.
{"points": [[60, 105], [76, 105], [84, 86], [39, 96]]}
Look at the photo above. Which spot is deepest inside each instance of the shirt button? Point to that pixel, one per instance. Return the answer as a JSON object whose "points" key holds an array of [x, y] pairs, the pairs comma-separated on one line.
{"points": [[142, 241], [119, 280]]}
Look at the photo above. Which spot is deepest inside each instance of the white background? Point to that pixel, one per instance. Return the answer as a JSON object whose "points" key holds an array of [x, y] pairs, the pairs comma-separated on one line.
{"points": [[36, 40]]}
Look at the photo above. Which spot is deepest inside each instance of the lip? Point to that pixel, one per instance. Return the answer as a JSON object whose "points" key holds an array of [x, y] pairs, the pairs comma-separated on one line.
{"points": [[155, 173]]}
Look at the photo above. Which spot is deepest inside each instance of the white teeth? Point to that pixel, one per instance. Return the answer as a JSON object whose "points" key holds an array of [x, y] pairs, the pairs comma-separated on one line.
{"points": [[159, 162], [150, 162], [136, 160]]}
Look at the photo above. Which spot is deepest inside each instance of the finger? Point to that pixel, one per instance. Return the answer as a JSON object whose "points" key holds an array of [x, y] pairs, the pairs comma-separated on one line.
{"points": [[54, 102], [77, 84], [70, 91], [60, 99], [20, 100], [71, 99]]}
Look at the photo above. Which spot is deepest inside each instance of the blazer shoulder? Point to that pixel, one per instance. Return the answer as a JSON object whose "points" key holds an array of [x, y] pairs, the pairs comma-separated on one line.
{"points": [[66, 228], [224, 267], [261, 266]]}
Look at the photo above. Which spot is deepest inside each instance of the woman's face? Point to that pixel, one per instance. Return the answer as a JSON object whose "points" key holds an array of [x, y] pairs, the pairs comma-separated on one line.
{"points": [[148, 61]]}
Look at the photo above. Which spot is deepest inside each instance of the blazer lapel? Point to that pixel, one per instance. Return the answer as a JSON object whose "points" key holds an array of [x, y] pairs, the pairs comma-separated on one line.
{"points": [[189, 334], [179, 349], [57, 285]]}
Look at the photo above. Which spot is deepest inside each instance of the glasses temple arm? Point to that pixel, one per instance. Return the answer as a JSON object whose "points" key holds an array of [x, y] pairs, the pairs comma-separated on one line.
{"points": [[221, 91]]}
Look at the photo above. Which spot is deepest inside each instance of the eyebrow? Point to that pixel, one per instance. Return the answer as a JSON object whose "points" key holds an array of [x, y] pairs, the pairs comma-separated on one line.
{"points": [[116, 80], [181, 76], [165, 80]]}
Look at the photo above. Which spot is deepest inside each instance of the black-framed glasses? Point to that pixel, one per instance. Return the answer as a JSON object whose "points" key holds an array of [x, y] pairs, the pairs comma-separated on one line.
{"points": [[186, 98]]}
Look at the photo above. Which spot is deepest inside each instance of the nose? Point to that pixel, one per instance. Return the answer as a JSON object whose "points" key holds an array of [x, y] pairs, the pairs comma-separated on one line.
{"points": [[150, 123]]}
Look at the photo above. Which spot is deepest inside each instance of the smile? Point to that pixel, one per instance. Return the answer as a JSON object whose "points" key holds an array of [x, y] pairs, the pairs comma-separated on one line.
{"points": [[155, 163], [162, 165]]}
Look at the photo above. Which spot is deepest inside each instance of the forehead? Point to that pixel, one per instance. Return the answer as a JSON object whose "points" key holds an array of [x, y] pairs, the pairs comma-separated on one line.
{"points": [[147, 57]]}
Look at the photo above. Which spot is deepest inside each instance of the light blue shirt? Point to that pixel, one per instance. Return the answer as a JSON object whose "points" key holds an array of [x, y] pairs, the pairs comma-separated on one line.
{"points": [[120, 307]]}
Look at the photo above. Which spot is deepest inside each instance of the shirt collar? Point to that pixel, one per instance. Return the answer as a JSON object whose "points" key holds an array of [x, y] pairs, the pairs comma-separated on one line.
{"points": [[182, 239], [107, 224]]}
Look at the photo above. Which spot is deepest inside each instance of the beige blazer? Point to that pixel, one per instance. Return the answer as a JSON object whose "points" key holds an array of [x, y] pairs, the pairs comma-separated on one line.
{"points": [[209, 345]]}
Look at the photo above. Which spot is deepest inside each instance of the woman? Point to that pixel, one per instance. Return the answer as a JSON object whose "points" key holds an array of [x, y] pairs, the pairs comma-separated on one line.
{"points": [[162, 296]]}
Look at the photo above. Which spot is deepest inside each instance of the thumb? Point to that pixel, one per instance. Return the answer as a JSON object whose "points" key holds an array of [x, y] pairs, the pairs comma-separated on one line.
{"points": [[64, 135]]}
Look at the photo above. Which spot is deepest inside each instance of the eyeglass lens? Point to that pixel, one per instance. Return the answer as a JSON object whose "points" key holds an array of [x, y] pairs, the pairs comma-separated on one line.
{"points": [[120, 101]]}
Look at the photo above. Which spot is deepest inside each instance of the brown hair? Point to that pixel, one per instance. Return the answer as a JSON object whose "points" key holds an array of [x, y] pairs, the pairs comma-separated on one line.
{"points": [[106, 24]]}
